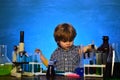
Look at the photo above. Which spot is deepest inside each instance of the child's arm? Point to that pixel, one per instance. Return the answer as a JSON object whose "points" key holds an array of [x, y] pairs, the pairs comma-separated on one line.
{"points": [[84, 49], [43, 59]]}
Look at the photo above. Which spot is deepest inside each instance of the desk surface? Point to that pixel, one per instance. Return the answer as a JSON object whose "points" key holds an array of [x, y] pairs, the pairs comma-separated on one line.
{"points": [[56, 78], [44, 78]]}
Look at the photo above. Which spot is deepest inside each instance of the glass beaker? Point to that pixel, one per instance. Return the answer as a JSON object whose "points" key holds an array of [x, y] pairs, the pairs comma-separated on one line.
{"points": [[5, 63]]}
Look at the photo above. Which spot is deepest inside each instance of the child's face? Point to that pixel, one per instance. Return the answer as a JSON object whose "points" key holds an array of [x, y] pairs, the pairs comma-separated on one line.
{"points": [[66, 44]]}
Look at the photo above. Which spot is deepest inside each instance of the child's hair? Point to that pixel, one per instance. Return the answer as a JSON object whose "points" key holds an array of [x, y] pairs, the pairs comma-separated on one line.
{"points": [[64, 32]]}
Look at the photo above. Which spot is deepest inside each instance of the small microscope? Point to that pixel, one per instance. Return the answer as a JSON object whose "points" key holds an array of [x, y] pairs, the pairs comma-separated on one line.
{"points": [[19, 57], [21, 52]]}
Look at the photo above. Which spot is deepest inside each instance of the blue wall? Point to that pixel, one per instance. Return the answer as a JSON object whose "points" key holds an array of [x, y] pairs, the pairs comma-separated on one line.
{"points": [[38, 18]]}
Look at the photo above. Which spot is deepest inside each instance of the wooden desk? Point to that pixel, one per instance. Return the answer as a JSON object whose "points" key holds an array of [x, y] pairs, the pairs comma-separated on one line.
{"points": [[56, 78], [43, 77]]}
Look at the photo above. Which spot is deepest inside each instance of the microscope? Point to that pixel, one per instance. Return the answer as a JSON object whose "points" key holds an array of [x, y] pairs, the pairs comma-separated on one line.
{"points": [[20, 59], [22, 54]]}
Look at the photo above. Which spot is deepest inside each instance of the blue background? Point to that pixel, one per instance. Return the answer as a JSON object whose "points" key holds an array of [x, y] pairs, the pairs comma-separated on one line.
{"points": [[38, 18]]}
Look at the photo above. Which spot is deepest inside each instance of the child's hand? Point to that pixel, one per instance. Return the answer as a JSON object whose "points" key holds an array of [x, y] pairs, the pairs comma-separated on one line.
{"points": [[38, 51], [43, 59], [91, 47]]}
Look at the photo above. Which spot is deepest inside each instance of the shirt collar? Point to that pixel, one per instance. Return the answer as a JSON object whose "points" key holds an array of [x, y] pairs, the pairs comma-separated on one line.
{"points": [[72, 47]]}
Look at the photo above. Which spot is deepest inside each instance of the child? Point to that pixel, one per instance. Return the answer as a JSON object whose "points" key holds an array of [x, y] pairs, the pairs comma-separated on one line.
{"points": [[67, 55]]}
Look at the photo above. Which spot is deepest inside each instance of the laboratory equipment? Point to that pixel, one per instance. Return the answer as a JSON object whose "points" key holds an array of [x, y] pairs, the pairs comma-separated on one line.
{"points": [[5, 63]]}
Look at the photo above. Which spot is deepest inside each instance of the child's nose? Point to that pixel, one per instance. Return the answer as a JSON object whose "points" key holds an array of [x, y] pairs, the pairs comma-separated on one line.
{"points": [[67, 42]]}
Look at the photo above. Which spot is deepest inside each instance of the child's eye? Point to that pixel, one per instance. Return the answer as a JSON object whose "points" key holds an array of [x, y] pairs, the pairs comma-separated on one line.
{"points": [[67, 40], [64, 41]]}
